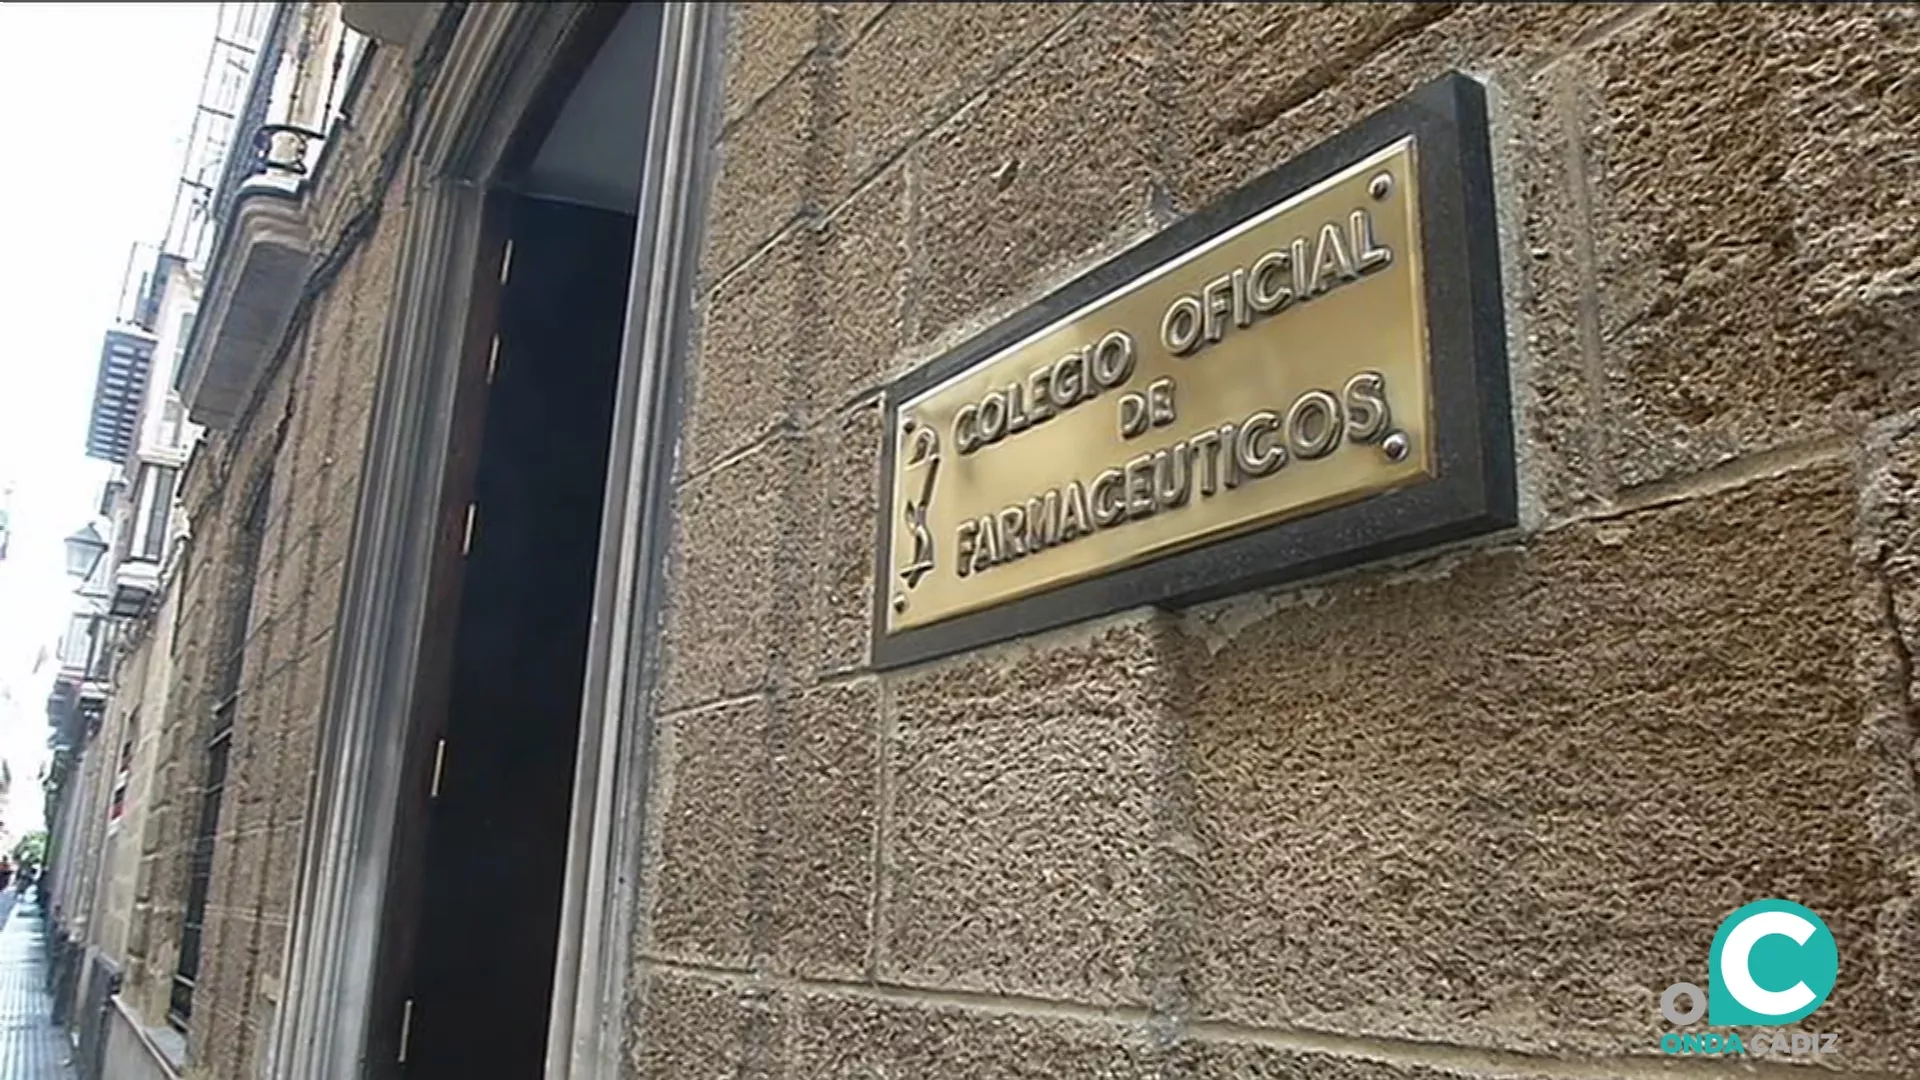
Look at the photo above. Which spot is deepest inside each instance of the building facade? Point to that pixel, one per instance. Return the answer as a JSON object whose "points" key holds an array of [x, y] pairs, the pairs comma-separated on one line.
{"points": [[530, 709], [108, 710]]}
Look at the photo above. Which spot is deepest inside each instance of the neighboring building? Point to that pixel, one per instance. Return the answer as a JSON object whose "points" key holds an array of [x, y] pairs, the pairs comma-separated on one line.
{"points": [[109, 704], [524, 712], [76, 711]]}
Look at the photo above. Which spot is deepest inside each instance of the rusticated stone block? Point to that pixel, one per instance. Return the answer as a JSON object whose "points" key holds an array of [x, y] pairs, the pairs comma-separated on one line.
{"points": [[690, 1026], [1242, 1061], [826, 790], [832, 1037], [766, 172], [735, 580], [333, 542], [1278, 78], [217, 1030], [1559, 442], [857, 293], [744, 375], [283, 871], [1754, 178], [844, 473], [847, 22], [765, 42], [1025, 809], [919, 63], [1506, 800], [249, 872], [1052, 169], [1888, 554], [710, 768], [299, 747]]}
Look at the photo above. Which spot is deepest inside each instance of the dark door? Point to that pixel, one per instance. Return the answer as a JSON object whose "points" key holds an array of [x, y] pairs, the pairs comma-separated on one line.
{"points": [[476, 968]]}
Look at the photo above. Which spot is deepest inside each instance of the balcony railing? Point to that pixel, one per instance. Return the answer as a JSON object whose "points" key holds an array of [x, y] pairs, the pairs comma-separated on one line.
{"points": [[284, 153], [253, 116], [264, 249]]}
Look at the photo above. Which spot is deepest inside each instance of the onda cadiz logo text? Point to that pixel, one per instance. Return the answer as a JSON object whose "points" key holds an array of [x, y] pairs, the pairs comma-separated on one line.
{"points": [[1773, 963]]}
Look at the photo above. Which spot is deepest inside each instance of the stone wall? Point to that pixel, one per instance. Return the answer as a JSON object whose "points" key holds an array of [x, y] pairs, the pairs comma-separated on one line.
{"points": [[1467, 813], [118, 859], [303, 436]]}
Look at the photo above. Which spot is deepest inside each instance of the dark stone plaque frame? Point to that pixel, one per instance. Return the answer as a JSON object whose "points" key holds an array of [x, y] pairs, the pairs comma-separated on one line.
{"points": [[1473, 490]]}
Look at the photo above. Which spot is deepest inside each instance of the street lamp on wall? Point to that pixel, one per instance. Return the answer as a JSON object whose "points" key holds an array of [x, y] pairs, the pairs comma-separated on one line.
{"points": [[84, 549]]}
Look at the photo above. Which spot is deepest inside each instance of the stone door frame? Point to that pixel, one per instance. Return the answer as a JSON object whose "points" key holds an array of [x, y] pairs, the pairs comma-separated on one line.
{"points": [[492, 60]]}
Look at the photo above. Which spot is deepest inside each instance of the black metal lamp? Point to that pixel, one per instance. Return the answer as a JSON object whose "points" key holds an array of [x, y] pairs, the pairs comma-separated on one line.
{"points": [[84, 549]]}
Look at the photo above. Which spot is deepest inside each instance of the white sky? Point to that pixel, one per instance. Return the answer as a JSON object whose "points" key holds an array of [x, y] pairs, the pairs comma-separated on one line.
{"points": [[95, 104]]}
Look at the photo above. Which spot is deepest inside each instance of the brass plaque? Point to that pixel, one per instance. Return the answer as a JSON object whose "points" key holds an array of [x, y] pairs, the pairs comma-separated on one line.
{"points": [[1269, 364], [1280, 369]]}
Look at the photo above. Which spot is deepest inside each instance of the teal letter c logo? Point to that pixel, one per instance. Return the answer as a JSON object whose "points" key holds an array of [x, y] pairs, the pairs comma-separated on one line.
{"points": [[1773, 962]]}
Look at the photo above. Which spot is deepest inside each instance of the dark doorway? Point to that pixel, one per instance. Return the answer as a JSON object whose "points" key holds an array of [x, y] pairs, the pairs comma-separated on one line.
{"points": [[497, 824], [470, 931]]}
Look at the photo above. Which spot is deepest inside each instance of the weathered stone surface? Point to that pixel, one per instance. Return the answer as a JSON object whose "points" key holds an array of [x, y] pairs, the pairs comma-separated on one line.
{"points": [[710, 770], [288, 586], [283, 870], [857, 288], [1508, 799], [345, 490], [1549, 286], [846, 23], [1281, 78], [745, 372], [826, 791], [833, 1037], [1242, 1061], [766, 167], [918, 64], [321, 608], [1888, 553], [303, 725], [765, 42], [216, 1029], [1033, 182], [844, 453], [1024, 811], [333, 539], [688, 1026], [1278, 78], [251, 772], [735, 584], [306, 459], [1753, 179], [248, 871]]}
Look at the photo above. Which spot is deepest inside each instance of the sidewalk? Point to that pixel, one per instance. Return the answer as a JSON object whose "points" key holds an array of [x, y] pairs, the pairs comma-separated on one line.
{"points": [[31, 1048]]}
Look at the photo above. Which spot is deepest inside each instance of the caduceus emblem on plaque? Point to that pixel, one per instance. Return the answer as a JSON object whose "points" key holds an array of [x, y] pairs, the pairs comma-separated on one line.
{"points": [[919, 453]]}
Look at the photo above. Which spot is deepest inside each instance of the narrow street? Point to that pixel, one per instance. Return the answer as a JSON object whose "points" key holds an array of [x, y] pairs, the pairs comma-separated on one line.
{"points": [[31, 1048]]}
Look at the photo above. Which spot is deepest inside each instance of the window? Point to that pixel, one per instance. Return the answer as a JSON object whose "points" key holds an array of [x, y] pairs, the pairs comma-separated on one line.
{"points": [[173, 423], [110, 495], [100, 651], [180, 350], [226, 701], [199, 877], [76, 648], [124, 774], [153, 503]]}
